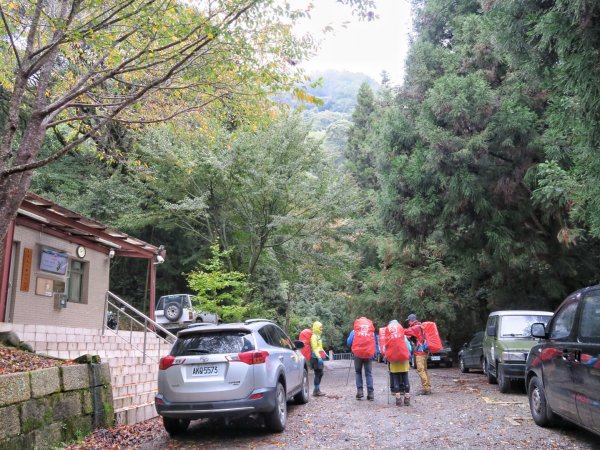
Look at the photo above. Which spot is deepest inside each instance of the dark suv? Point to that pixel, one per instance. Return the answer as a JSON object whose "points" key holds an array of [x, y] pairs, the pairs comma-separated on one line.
{"points": [[563, 371]]}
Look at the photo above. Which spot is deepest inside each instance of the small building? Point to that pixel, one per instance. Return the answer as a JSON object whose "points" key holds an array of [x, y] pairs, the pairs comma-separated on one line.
{"points": [[54, 294], [57, 263]]}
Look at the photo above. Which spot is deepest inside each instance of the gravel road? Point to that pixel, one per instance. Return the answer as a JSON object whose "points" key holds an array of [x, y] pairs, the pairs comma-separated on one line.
{"points": [[464, 411]]}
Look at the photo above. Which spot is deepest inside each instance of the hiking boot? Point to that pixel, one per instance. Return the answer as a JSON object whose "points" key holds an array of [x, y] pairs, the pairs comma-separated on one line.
{"points": [[399, 401], [318, 393], [371, 396], [425, 393], [359, 394], [407, 400]]}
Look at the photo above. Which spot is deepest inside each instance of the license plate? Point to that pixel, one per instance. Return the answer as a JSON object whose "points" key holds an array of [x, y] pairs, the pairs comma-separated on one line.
{"points": [[205, 370], [435, 358]]}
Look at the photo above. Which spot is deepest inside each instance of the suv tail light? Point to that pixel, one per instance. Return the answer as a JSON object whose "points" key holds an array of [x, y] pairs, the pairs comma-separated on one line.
{"points": [[250, 358], [190, 315], [168, 361]]}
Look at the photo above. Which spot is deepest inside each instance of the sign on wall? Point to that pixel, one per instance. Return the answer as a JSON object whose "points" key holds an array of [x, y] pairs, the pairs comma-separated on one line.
{"points": [[53, 261], [44, 286], [26, 269]]}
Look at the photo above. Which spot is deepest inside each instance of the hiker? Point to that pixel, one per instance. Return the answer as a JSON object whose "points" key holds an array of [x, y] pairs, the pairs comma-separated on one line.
{"points": [[397, 352], [364, 346], [316, 357], [416, 331]]}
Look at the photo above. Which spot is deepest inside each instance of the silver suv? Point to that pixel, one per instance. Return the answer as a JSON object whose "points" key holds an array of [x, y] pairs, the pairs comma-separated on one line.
{"points": [[231, 371]]}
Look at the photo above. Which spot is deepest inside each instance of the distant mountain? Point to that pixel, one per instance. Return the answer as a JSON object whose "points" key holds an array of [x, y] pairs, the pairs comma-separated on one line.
{"points": [[335, 88]]}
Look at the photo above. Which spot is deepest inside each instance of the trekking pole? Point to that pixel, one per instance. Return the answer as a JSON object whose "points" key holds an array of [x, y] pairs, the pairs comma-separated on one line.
{"points": [[349, 367], [389, 387]]}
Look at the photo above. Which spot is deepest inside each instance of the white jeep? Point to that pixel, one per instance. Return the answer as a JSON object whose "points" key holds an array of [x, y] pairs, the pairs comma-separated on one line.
{"points": [[175, 312]]}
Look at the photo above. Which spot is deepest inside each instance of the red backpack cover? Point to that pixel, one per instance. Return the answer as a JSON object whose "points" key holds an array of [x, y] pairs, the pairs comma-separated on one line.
{"points": [[363, 344], [396, 349], [305, 336], [434, 342], [382, 338]]}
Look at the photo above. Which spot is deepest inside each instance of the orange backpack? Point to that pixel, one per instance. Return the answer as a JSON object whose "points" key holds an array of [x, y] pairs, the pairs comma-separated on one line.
{"points": [[434, 342], [396, 349], [305, 336], [363, 344]]}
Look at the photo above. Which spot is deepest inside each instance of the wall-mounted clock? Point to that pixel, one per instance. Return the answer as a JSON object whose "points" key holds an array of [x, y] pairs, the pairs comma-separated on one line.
{"points": [[81, 251]]}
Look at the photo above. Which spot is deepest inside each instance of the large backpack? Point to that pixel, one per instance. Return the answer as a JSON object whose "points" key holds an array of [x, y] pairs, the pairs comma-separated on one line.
{"points": [[432, 337], [396, 349], [363, 344], [305, 336], [383, 338]]}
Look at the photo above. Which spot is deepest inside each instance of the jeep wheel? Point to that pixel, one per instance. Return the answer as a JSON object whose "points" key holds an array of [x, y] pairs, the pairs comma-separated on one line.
{"points": [[461, 363], [276, 419], [175, 426], [540, 410], [303, 396], [503, 380], [173, 311]]}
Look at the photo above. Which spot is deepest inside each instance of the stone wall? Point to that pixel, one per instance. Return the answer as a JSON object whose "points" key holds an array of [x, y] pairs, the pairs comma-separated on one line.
{"points": [[43, 408]]}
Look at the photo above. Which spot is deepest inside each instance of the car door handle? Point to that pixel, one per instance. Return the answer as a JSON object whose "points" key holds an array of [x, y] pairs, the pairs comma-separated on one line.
{"points": [[571, 354]]}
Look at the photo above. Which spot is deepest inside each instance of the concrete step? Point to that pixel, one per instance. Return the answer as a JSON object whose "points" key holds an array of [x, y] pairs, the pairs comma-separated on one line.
{"points": [[134, 414]]}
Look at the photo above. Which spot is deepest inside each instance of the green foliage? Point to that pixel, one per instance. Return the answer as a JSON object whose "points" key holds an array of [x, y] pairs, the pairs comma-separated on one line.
{"points": [[221, 291]]}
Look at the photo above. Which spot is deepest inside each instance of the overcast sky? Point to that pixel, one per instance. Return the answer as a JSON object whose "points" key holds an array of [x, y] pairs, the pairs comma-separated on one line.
{"points": [[367, 47]]}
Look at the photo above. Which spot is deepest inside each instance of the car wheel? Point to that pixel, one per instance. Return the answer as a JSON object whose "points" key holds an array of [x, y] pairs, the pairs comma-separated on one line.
{"points": [[461, 364], [302, 397], [173, 311], [488, 371], [483, 368], [503, 380], [449, 364], [175, 426], [540, 410], [276, 419]]}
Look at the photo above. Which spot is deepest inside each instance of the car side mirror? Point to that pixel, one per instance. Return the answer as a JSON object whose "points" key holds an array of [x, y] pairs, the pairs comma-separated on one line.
{"points": [[538, 330], [299, 345], [491, 330]]}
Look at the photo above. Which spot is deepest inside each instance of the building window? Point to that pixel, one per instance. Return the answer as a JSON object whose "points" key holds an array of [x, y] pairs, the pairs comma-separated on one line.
{"points": [[77, 291]]}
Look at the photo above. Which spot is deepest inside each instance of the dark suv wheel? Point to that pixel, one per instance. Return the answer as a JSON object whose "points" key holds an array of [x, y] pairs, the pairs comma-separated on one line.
{"points": [[540, 410], [276, 419]]}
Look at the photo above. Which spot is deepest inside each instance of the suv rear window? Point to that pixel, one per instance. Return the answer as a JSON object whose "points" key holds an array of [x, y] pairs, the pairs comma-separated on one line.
{"points": [[520, 326], [213, 343]]}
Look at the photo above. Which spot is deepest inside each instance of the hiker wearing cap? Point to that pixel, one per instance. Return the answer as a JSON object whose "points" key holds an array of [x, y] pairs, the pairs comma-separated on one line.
{"points": [[416, 331], [316, 357]]}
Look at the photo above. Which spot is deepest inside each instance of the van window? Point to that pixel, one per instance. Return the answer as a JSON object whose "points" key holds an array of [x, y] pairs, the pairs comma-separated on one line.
{"points": [[520, 326], [589, 329]]}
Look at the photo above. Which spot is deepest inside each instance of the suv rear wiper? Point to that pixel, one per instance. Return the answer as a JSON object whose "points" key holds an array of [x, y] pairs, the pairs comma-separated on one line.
{"points": [[198, 350]]}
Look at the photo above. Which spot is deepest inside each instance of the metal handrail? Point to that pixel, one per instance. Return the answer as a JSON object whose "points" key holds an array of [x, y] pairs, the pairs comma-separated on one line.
{"points": [[135, 317]]}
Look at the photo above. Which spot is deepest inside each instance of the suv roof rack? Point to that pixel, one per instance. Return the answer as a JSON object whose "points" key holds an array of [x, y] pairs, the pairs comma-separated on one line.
{"points": [[249, 321]]}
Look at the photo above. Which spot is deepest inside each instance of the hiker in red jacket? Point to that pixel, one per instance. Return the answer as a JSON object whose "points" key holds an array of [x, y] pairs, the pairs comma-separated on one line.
{"points": [[416, 331]]}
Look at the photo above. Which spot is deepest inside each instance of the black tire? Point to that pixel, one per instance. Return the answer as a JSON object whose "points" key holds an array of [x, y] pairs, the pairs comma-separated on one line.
{"points": [[461, 364], [503, 380], [482, 363], [449, 364], [540, 410], [173, 312], [277, 419], [490, 377], [175, 426], [303, 396]]}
